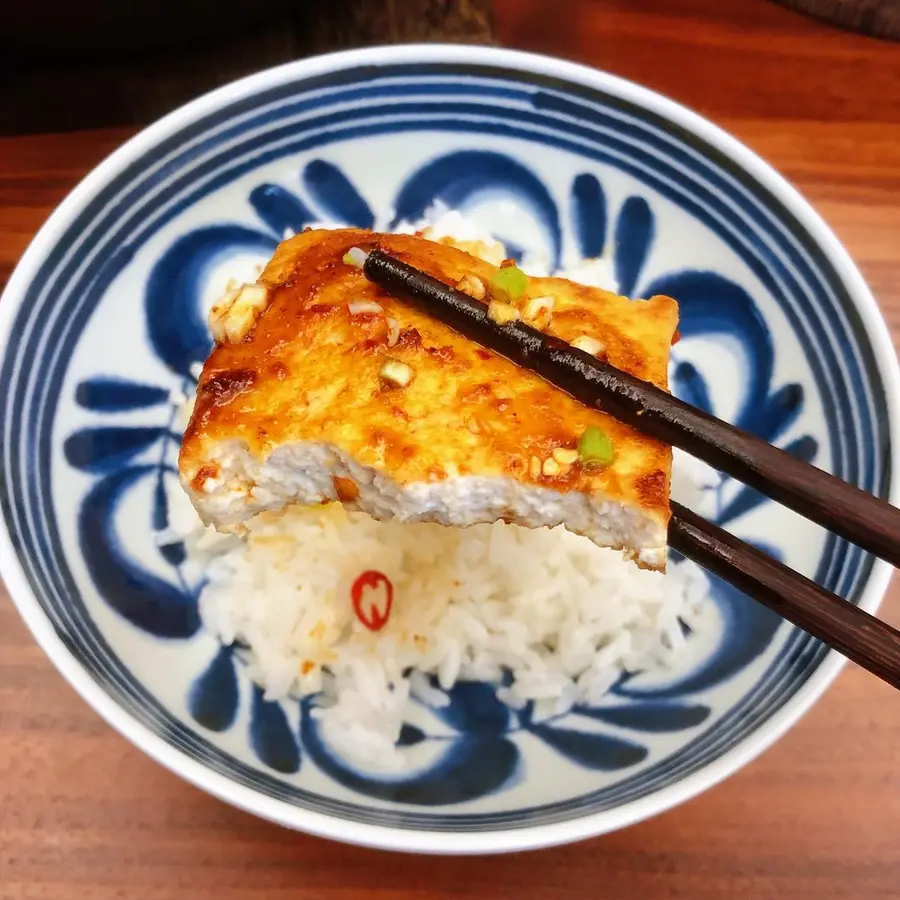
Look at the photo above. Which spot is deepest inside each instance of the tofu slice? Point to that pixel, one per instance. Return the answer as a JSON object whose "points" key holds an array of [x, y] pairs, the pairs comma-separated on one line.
{"points": [[322, 387]]}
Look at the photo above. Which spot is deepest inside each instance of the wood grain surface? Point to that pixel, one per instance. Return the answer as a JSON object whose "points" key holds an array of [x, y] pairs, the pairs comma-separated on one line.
{"points": [[85, 814]]}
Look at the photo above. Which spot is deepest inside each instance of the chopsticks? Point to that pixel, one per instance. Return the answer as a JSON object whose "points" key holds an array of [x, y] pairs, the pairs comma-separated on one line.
{"points": [[856, 634], [844, 509]]}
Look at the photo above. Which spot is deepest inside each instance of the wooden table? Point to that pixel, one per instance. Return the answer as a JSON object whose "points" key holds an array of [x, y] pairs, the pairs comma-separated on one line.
{"points": [[84, 814]]}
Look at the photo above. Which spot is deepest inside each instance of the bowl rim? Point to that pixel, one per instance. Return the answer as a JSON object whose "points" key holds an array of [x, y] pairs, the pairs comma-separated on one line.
{"points": [[390, 837]]}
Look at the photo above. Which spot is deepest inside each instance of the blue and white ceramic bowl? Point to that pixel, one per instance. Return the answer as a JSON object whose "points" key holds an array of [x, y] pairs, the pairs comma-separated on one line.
{"points": [[104, 319]]}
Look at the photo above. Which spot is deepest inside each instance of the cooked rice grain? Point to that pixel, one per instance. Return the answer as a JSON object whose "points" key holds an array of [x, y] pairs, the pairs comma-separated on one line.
{"points": [[563, 617]]}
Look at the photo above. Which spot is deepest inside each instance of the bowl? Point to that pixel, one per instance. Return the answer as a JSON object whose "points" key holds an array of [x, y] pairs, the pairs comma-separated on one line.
{"points": [[103, 322]]}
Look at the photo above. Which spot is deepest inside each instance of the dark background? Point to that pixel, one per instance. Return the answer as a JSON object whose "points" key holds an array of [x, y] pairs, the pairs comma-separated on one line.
{"points": [[75, 64], [97, 63]]}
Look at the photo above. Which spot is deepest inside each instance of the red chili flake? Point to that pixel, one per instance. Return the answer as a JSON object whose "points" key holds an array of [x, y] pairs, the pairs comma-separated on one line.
{"points": [[373, 612]]}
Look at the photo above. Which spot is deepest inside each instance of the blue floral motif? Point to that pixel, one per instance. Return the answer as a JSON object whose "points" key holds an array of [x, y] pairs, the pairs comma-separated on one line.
{"points": [[271, 736], [478, 759], [480, 754], [465, 179], [213, 700]]}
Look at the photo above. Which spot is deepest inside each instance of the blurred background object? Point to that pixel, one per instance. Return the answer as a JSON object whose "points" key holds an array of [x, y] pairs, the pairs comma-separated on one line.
{"points": [[97, 63], [880, 18]]}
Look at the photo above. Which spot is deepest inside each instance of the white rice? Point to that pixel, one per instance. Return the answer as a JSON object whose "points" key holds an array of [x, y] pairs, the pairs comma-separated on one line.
{"points": [[564, 617], [561, 618]]}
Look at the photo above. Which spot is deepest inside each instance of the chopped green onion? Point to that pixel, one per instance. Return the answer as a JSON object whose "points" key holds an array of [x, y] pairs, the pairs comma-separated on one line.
{"points": [[564, 456], [396, 372], [393, 332], [364, 308], [551, 468], [508, 284], [471, 285], [595, 446], [588, 344], [539, 310], [355, 257], [502, 313]]}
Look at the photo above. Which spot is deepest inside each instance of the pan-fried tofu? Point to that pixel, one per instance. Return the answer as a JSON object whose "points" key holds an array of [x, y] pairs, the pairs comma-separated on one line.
{"points": [[322, 387]]}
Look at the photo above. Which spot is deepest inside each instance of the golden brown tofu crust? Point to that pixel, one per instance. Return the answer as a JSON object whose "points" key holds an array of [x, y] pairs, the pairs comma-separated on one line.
{"points": [[309, 371]]}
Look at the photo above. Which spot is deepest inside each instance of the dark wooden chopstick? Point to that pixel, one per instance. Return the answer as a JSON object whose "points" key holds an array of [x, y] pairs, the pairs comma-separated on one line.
{"points": [[856, 634], [842, 508]]}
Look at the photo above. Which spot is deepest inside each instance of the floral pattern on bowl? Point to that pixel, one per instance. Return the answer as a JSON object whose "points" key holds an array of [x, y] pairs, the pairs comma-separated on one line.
{"points": [[551, 166]]}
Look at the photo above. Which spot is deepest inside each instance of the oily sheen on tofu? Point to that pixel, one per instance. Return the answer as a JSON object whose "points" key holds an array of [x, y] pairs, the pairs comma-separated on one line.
{"points": [[297, 410]]}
